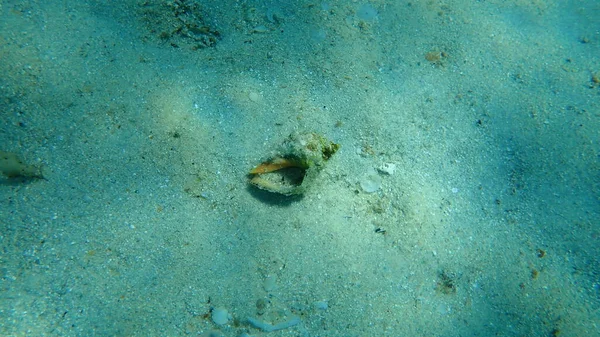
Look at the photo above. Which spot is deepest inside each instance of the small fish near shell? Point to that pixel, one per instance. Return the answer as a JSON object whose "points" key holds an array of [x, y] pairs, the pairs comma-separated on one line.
{"points": [[298, 161]]}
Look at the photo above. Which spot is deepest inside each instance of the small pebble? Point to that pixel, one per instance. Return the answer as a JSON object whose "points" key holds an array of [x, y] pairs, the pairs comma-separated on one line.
{"points": [[220, 316], [253, 96], [260, 29], [270, 283], [321, 305]]}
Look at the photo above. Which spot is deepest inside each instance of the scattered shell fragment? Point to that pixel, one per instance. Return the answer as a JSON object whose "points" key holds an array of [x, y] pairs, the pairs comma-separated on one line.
{"points": [[387, 168], [260, 29], [295, 165], [370, 182]]}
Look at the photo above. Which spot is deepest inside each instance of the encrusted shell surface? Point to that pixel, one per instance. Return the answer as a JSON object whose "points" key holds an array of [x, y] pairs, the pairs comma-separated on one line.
{"points": [[295, 165]]}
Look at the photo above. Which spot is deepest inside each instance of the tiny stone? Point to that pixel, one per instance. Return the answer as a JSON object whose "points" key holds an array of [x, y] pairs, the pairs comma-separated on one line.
{"points": [[220, 316], [254, 96], [270, 283], [260, 29], [321, 305]]}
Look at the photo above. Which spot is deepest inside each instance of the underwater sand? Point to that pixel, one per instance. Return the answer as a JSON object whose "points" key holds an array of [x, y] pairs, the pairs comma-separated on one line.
{"points": [[146, 117]]}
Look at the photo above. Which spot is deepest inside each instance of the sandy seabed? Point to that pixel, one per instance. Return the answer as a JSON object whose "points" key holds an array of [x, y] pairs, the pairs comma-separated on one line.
{"points": [[474, 124]]}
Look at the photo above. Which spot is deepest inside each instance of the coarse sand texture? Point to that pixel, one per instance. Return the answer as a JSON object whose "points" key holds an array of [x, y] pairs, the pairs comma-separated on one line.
{"points": [[269, 168]]}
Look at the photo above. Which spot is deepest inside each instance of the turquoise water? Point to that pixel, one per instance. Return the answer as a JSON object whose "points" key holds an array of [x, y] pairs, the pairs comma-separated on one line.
{"points": [[464, 200]]}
